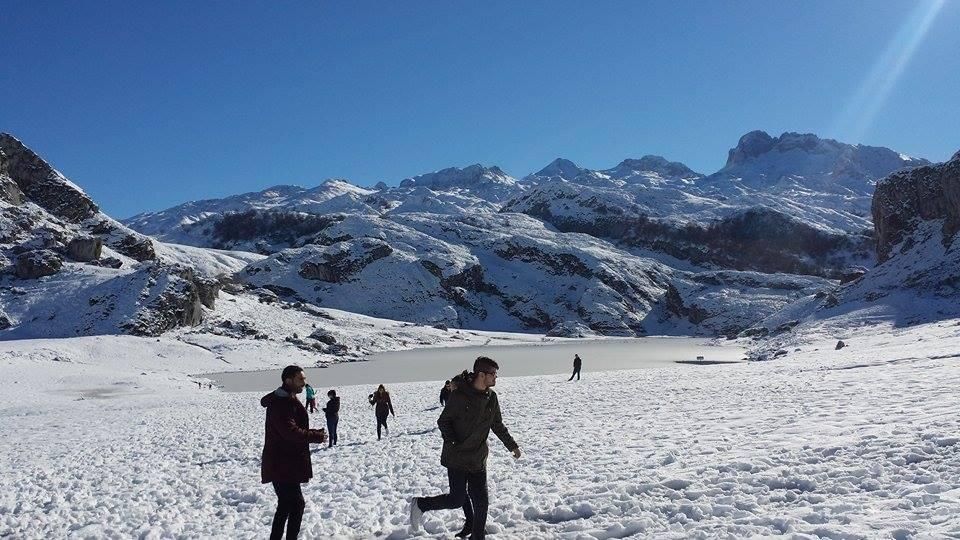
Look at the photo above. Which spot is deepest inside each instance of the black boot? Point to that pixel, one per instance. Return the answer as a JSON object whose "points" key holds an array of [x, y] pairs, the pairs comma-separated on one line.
{"points": [[465, 531]]}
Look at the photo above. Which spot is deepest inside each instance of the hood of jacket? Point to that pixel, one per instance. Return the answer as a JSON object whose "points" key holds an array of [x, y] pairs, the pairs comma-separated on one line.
{"points": [[279, 393]]}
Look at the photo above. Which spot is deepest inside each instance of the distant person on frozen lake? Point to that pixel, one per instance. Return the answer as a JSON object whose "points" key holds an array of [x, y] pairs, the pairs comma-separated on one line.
{"points": [[286, 450], [311, 399], [381, 401], [465, 423], [332, 410], [577, 363]]}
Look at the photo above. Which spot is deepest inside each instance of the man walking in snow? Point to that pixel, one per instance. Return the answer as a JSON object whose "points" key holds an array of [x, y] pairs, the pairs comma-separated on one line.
{"points": [[465, 423], [286, 451], [577, 362]]}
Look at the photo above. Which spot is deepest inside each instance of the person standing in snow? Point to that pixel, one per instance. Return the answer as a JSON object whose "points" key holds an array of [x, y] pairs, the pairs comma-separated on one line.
{"points": [[444, 393], [332, 410], [576, 367], [311, 399], [381, 401], [286, 450], [465, 423]]}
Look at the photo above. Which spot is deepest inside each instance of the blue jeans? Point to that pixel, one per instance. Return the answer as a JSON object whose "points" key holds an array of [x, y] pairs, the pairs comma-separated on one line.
{"points": [[332, 430]]}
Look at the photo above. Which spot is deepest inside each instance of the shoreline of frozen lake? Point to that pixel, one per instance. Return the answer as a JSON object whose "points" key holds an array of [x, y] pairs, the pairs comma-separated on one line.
{"points": [[440, 363]]}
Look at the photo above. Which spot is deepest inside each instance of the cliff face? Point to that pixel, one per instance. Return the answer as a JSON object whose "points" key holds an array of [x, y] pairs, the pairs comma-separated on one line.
{"points": [[905, 199], [41, 184]]}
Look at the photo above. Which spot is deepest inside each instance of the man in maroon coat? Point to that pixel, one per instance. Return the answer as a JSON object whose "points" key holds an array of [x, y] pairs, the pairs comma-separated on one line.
{"points": [[286, 450]]}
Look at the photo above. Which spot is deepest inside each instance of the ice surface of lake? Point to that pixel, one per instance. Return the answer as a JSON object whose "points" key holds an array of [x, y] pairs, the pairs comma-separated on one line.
{"points": [[438, 364]]}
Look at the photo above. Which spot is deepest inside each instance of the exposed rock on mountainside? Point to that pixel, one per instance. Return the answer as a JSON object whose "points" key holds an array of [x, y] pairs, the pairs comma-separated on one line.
{"points": [[41, 184], [917, 214], [85, 248], [71, 269], [35, 264], [906, 198]]}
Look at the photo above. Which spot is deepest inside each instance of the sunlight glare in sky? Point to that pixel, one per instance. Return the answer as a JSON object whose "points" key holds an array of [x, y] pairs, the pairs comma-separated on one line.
{"points": [[860, 112]]}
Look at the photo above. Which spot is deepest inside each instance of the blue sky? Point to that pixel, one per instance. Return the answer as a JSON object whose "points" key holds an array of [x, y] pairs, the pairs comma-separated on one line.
{"points": [[150, 104]]}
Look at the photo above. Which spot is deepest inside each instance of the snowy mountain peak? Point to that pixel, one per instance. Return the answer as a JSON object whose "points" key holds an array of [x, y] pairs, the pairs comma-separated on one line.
{"points": [[656, 164], [453, 177], [560, 168], [804, 161], [749, 146], [757, 143], [333, 187], [281, 190]]}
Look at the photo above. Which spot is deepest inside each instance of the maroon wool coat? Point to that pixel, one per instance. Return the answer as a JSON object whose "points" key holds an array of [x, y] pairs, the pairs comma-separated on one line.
{"points": [[286, 440]]}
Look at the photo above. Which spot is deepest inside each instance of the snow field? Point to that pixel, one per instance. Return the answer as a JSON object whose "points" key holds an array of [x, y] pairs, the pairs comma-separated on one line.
{"points": [[857, 443]]}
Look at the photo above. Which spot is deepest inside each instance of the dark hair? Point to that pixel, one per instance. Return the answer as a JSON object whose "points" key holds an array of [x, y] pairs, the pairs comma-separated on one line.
{"points": [[482, 363], [290, 372], [332, 393]]}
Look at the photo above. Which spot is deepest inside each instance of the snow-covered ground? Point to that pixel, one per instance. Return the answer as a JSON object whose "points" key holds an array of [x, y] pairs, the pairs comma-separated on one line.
{"points": [[862, 442]]}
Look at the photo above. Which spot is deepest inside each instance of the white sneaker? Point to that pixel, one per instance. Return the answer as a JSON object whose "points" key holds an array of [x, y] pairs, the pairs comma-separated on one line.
{"points": [[416, 515]]}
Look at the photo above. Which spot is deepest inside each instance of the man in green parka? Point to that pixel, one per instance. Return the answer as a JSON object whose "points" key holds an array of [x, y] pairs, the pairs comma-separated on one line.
{"points": [[465, 423]]}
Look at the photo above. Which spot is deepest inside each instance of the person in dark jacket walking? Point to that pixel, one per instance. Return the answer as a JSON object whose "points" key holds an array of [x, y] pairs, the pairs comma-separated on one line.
{"points": [[286, 451], [465, 423], [444, 393], [381, 400], [332, 410], [577, 363]]}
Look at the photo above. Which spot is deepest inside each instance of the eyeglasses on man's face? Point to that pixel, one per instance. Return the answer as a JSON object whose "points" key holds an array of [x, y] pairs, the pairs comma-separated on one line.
{"points": [[494, 372]]}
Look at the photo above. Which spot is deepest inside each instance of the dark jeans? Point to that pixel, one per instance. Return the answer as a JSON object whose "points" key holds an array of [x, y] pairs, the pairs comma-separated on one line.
{"points": [[576, 371], [289, 510], [468, 490], [381, 422], [332, 430]]}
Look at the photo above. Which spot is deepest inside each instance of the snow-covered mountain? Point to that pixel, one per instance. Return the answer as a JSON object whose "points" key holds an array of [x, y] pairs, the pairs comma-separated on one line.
{"points": [[917, 218], [647, 246], [190, 223], [822, 182], [485, 270], [796, 203], [69, 269]]}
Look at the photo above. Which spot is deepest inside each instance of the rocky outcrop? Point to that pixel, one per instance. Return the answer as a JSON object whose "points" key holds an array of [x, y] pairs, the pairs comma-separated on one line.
{"points": [[906, 198], [174, 301], [208, 289], [342, 265], [43, 185], [758, 239], [9, 190], [84, 248], [749, 146], [137, 247], [36, 264]]}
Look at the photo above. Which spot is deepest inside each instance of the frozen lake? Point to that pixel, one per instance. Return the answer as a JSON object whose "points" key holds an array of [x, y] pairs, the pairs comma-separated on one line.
{"points": [[441, 363]]}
